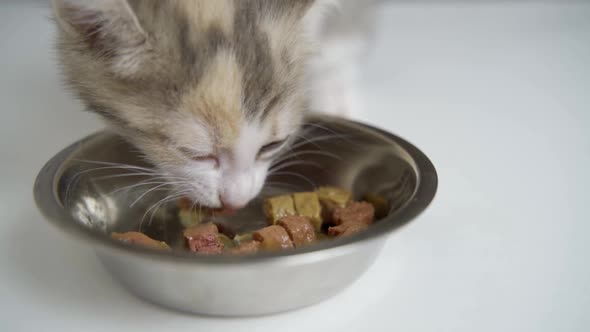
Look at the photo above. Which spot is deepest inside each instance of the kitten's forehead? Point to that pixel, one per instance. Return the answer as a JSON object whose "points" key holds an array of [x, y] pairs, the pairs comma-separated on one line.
{"points": [[216, 101], [218, 63], [241, 63], [261, 36]]}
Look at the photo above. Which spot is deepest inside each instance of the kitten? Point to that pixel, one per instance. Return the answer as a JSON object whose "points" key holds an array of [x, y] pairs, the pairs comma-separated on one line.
{"points": [[209, 90]]}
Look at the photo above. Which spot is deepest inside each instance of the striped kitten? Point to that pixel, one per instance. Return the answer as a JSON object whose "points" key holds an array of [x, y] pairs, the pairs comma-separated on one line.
{"points": [[209, 90]]}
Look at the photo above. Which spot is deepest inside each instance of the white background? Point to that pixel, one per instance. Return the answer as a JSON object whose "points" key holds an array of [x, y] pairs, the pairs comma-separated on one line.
{"points": [[497, 94]]}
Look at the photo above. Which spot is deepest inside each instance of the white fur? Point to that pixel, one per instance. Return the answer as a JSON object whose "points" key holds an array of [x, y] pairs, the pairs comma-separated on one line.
{"points": [[341, 39], [242, 175], [239, 177], [335, 78]]}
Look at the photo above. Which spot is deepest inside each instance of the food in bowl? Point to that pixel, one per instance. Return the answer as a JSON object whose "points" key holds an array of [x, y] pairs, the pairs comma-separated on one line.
{"points": [[140, 239], [279, 207], [273, 238], [246, 248], [332, 198], [308, 205], [295, 220], [300, 230], [204, 239]]}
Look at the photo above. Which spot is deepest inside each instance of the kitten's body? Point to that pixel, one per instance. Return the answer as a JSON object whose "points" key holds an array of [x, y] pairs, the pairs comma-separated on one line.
{"points": [[209, 91], [335, 69]]}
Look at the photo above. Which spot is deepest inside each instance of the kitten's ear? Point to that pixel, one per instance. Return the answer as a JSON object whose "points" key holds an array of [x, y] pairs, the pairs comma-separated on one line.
{"points": [[109, 28]]}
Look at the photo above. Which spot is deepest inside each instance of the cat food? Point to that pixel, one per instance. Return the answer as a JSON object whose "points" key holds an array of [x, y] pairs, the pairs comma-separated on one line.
{"points": [[184, 203], [354, 218], [300, 230], [188, 214], [273, 238], [246, 248], [279, 207], [241, 238], [338, 196], [228, 243], [204, 239], [332, 198], [355, 212], [295, 221], [347, 229], [190, 218], [308, 205], [140, 239]]}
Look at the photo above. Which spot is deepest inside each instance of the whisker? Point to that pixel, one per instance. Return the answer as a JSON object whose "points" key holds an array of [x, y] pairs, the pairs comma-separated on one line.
{"points": [[310, 152], [280, 187], [106, 163], [162, 201], [76, 176], [299, 176], [314, 140], [301, 135], [161, 175], [156, 210], [319, 126], [140, 184], [200, 209], [152, 189], [279, 167], [101, 169]]}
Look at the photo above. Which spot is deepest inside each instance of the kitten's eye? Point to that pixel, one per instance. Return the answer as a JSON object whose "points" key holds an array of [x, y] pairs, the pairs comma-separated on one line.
{"points": [[207, 159], [269, 149]]}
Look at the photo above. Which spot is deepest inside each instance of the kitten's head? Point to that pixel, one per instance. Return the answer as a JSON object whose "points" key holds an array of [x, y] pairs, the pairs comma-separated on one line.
{"points": [[208, 90]]}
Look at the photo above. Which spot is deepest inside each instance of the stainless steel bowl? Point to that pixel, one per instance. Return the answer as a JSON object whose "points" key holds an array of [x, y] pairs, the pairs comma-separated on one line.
{"points": [[80, 192]]}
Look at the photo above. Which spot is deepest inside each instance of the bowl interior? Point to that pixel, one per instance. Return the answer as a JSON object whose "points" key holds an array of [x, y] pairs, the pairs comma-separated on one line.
{"points": [[102, 184]]}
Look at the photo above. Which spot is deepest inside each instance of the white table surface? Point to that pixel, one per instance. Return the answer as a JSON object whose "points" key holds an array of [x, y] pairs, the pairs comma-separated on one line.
{"points": [[496, 94]]}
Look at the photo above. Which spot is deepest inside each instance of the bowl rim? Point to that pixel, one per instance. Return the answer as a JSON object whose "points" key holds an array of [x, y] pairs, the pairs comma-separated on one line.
{"points": [[45, 195]]}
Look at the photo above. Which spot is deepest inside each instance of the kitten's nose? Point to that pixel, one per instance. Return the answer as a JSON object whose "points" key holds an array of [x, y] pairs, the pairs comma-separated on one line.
{"points": [[231, 205], [237, 190]]}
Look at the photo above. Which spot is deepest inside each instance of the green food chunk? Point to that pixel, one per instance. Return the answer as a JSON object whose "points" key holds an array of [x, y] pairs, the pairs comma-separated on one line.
{"points": [[227, 242], [308, 205], [279, 207], [340, 197], [190, 218], [140, 239], [332, 198], [241, 238]]}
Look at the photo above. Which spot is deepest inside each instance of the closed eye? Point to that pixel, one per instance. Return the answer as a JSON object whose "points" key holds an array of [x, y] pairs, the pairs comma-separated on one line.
{"points": [[208, 158], [270, 149]]}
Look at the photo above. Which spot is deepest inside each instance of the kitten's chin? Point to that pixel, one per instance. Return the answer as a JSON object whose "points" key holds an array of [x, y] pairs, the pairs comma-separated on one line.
{"points": [[225, 212], [188, 204]]}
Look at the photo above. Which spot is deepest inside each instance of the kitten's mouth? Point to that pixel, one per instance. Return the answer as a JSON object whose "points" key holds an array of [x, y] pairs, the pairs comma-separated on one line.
{"points": [[186, 203], [224, 212]]}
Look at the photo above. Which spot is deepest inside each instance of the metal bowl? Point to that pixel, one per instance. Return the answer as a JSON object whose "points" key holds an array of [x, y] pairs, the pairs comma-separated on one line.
{"points": [[80, 191]]}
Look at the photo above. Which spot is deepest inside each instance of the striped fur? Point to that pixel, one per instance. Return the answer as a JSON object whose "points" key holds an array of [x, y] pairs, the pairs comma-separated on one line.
{"points": [[194, 75]]}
